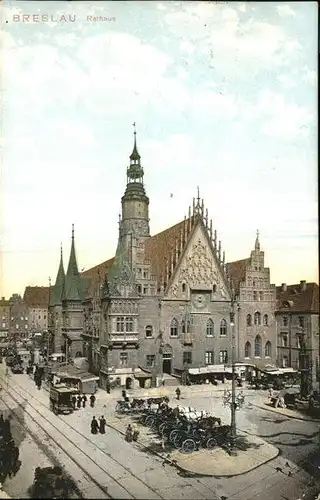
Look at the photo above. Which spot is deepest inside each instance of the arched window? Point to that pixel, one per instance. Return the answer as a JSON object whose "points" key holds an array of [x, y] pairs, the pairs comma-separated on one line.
{"points": [[247, 350], [188, 330], [265, 320], [210, 328], [257, 346], [183, 287], [249, 320], [267, 349], [183, 326], [174, 328], [149, 331], [257, 318], [223, 328]]}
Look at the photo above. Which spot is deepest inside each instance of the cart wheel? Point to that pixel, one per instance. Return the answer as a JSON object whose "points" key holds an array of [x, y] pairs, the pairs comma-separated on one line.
{"points": [[188, 446], [172, 435], [149, 420], [211, 443], [162, 427], [178, 440]]}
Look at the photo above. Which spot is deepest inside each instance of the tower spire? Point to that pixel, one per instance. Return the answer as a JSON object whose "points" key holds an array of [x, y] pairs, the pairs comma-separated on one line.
{"points": [[73, 283], [135, 157], [57, 290], [257, 243]]}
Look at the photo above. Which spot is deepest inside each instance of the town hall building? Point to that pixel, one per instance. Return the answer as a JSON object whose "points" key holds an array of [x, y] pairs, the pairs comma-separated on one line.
{"points": [[162, 304]]}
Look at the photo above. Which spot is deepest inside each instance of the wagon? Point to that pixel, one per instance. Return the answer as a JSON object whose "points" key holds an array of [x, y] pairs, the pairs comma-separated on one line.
{"points": [[60, 399]]}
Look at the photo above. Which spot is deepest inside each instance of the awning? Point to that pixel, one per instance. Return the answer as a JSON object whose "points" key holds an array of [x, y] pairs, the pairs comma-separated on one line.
{"points": [[139, 373], [207, 369]]}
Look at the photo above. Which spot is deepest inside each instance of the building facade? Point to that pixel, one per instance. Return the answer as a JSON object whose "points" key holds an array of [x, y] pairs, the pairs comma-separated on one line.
{"points": [[36, 299], [4, 318], [19, 321], [297, 314], [256, 306]]}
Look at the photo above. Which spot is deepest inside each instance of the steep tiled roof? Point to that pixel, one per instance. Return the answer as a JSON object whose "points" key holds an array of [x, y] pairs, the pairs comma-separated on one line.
{"points": [[159, 247], [300, 300], [36, 296], [237, 271]]}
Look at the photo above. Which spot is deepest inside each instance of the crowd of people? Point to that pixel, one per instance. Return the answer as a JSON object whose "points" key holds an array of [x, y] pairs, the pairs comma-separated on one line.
{"points": [[9, 452], [81, 401]]}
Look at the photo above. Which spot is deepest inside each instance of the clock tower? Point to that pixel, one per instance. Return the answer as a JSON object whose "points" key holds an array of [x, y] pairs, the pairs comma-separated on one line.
{"points": [[134, 220]]}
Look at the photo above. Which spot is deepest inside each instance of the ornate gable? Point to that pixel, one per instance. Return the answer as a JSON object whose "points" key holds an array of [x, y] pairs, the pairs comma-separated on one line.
{"points": [[199, 268]]}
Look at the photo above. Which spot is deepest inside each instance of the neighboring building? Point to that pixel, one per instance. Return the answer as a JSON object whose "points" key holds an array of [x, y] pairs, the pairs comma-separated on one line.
{"points": [[4, 318], [256, 297], [298, 312], [18, 325], [36, 298]]}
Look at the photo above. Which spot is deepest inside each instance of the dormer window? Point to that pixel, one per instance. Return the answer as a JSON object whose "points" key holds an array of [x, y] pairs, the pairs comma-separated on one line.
{"points": [[183, 287], [214, 288]]}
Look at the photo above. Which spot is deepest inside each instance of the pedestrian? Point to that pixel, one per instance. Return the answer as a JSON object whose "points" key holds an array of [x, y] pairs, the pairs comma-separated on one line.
{"points": [[135, 432], [74, 401], [128, 434], [108, 387], [84, 400], [79, 399], [270, 392], [124, 394], [94, 426], [102, 425], [1, 422], [178, 393], [92, 400]]}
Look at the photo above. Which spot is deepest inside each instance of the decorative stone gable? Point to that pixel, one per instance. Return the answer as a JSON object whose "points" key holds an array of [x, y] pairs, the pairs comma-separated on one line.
{"points": [[198, 270]]}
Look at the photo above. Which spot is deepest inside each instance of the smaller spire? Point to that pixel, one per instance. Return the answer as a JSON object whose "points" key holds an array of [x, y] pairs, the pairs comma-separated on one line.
{"points": [[257, 243], [72, 235]]}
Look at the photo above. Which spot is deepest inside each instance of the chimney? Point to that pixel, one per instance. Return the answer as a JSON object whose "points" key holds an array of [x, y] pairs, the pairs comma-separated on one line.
{"points": [[303, 286], [283, 287], [2, 298]]}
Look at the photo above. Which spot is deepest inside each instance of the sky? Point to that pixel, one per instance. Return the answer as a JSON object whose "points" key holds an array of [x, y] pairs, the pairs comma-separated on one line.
{"points": [[224, 96]]}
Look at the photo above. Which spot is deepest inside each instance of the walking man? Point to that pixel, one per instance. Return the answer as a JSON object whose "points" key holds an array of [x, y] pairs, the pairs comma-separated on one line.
{"points": [[79, 399], [84, 400], [178, 393], [92, 400]]}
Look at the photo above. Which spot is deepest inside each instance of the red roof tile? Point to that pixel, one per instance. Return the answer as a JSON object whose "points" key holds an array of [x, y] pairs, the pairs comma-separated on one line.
{"points": [[237, 271], [301, 301], [36, 296]]}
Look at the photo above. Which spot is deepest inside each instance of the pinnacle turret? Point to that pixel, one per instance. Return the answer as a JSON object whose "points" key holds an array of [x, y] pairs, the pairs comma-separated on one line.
{"points": [[73, 289], [57, 291]]}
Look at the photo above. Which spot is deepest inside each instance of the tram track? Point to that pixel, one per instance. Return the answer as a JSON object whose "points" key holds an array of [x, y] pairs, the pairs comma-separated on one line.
{"points": [[143, 490]]}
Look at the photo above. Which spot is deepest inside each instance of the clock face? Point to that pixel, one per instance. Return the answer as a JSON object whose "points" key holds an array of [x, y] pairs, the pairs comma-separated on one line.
{"points": [[199, 300]]}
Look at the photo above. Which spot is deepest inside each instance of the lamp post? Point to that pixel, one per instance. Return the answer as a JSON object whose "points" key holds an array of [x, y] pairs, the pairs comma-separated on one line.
{"points": [[233, 386], [303, 364]]}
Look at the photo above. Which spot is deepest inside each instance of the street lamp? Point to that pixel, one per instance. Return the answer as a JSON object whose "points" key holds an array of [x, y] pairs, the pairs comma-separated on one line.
{"points": [[303, 364], [233, 386]]}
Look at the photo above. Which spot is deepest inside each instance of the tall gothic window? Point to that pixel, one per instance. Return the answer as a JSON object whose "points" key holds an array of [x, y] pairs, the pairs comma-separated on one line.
{"points": [[249, 320], [129, 324], [257, 318], [257, 346], [265, 320], [120, 324], [267, 349], [174, 328], [183, 326], [223, 328], [210, 328], [247, 350], [149, 331]]}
